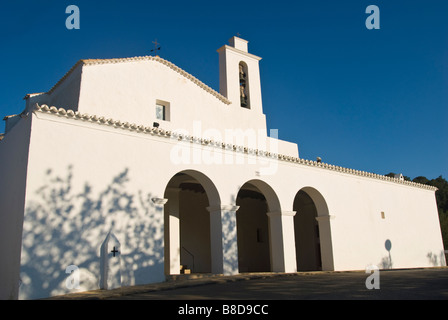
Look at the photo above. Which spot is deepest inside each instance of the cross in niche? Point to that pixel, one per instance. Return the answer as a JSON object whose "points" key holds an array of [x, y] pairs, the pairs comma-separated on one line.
{"points": [[156, 46], [114, 251]]}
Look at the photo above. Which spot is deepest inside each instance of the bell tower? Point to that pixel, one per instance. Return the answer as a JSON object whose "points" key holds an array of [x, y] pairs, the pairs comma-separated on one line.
{"points": [[239, 75]]}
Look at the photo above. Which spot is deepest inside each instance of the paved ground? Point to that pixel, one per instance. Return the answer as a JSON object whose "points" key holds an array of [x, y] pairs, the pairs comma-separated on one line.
{"points": [[416, 284]]}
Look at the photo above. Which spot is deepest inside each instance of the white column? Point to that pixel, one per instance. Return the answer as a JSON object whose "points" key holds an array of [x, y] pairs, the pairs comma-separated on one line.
{"points": [[326, 246], [172, 232], [223, 239], [282, 241]]}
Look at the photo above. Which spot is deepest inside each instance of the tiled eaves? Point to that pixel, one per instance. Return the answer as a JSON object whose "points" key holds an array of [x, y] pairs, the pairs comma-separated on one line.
{"points": [[218, 144], [144, 58]]}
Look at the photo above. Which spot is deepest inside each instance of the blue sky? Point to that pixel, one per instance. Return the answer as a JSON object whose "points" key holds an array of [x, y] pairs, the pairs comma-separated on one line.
{"points": [[372, 100]]}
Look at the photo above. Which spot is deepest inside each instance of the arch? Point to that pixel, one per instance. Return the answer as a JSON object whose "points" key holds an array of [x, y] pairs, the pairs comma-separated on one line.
{"points": [[268, 192], [312, 231], [318, 199], [187, 222], [244, 85], [208, 185], [255, 199]]}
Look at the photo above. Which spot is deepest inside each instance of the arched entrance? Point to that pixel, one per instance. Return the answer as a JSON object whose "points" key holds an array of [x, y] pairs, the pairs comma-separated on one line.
{"points": [[312, 231], [187, 223], [255, 199]]}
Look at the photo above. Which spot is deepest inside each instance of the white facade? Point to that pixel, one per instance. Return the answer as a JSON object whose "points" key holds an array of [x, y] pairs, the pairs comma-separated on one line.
{"points": [[208, 189]]}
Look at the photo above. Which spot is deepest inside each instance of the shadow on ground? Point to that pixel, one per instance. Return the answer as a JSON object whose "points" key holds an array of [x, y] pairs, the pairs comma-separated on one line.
{"points": [[416, 284]]}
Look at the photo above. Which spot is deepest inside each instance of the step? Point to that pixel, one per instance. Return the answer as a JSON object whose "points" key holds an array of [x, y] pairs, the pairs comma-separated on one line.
{"points": [[189, 276]]}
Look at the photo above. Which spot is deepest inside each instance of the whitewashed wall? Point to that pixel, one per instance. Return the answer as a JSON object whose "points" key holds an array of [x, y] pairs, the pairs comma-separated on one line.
{"points": [[128, 89], [93, 175], [13, 172], [102, 178]]}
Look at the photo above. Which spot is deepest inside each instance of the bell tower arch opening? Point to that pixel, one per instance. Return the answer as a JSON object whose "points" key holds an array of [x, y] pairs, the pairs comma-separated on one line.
{"points": [[244, 85]]}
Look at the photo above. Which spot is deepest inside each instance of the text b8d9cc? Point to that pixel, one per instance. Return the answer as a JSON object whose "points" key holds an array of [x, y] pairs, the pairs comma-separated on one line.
{"points": [[244, 309]]}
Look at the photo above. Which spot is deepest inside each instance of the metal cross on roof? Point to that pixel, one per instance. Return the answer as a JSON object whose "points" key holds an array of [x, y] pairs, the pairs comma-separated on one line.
{"points": [[156, 46]]}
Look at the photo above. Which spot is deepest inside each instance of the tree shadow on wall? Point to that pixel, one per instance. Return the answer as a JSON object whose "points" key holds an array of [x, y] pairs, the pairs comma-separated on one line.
{"points": [[230, 246], [436, 260], [64, 227]]}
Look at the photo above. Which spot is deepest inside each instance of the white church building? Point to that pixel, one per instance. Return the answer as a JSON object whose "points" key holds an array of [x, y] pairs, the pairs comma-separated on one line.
{"points": [[130, 170]]}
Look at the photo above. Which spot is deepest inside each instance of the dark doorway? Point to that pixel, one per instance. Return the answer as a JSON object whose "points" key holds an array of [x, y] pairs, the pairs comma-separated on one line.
{"points": [[307, 238]]}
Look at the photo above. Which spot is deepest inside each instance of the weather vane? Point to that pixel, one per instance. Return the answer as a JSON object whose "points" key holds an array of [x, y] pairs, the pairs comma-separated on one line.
{"points": [[157, 46]]}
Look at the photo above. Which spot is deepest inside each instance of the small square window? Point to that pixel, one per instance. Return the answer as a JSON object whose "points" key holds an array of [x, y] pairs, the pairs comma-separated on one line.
{"points": [[162, 110]]}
